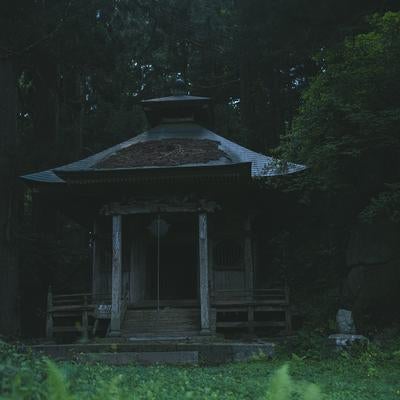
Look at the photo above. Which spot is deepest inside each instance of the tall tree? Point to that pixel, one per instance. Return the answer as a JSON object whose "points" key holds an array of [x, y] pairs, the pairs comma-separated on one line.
{"points": [[9, 200], [277, 42], [347, 128]]}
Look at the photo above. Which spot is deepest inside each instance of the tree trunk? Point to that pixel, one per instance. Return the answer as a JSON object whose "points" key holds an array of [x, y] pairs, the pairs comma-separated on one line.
{"points": [[247, 73], [9, 202], [45, 113], [252, 98]]}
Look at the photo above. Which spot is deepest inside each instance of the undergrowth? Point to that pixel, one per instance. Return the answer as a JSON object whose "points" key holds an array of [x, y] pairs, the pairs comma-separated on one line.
{"points": [[364, 373]]}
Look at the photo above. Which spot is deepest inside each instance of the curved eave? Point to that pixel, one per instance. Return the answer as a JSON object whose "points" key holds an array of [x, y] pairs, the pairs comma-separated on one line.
{"points": [[262, 166], [42, 177], [279, 168], [204, 173]]}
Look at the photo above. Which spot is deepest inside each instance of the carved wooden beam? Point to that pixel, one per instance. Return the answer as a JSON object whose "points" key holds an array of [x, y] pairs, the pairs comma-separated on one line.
{"points": [[155, 206]]}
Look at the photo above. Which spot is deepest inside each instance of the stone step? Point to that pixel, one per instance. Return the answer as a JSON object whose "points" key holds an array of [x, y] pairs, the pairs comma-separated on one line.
{"points": [[159, 331], [166, 321], [160, 326], [154, 335], [161, 320], [162, 313], [147, 350], [146, 358]]}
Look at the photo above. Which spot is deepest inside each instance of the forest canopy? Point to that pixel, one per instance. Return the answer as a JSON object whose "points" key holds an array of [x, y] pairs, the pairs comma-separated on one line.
{"points": [[347, 126]]}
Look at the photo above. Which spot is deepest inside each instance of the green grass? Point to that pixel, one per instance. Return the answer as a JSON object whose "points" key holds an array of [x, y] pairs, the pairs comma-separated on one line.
{"points": [[373, 373]]}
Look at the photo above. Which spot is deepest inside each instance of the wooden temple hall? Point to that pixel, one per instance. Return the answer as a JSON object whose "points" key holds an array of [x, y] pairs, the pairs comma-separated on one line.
{"points": [[172, 213]]}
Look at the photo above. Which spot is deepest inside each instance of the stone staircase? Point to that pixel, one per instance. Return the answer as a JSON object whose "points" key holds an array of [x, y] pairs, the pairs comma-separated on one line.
{"points": [[167, 322]]}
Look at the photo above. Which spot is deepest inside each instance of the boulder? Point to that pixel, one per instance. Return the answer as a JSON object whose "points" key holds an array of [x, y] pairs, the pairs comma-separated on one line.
{"points": [[371, 288], [373, 244]]}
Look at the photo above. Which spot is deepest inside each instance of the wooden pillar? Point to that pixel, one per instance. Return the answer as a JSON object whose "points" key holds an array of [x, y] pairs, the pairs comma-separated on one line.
{"points": [[203, 267], [96, 260], [116, 284]]}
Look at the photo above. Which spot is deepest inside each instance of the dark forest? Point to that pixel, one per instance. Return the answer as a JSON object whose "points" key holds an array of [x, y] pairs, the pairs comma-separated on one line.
{"points": [[310, 82]]}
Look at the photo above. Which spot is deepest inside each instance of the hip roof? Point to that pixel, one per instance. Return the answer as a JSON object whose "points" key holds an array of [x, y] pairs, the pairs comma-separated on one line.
{"points": [[170, 145]]}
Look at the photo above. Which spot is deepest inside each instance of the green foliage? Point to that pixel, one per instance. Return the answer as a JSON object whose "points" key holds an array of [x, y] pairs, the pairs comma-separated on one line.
{"points": [[385, 204], [56, 384], [347, 131], [21, 375], [347, 128], [282, 387], [359, 374], [307, 345]]}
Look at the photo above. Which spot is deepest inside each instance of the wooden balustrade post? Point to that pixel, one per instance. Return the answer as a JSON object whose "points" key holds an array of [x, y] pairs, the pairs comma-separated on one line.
{"points": [[49, 315], [288, 314], [85, 322], [248, 259], [249, 270], [250, 318], [96, 259]]}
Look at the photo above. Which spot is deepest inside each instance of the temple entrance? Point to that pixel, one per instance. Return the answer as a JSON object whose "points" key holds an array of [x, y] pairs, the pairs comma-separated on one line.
{"points": [[172, 258]]}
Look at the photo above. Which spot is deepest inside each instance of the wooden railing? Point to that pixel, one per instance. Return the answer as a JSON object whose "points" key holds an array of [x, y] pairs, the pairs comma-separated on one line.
{"points": [[69, 307], [102, 309], [252, 296], [75, 309], [78, 310], [250, 303]]}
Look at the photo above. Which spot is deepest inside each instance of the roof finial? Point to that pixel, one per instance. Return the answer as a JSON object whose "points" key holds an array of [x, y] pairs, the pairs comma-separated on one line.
{"points": [[180, 87]]}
